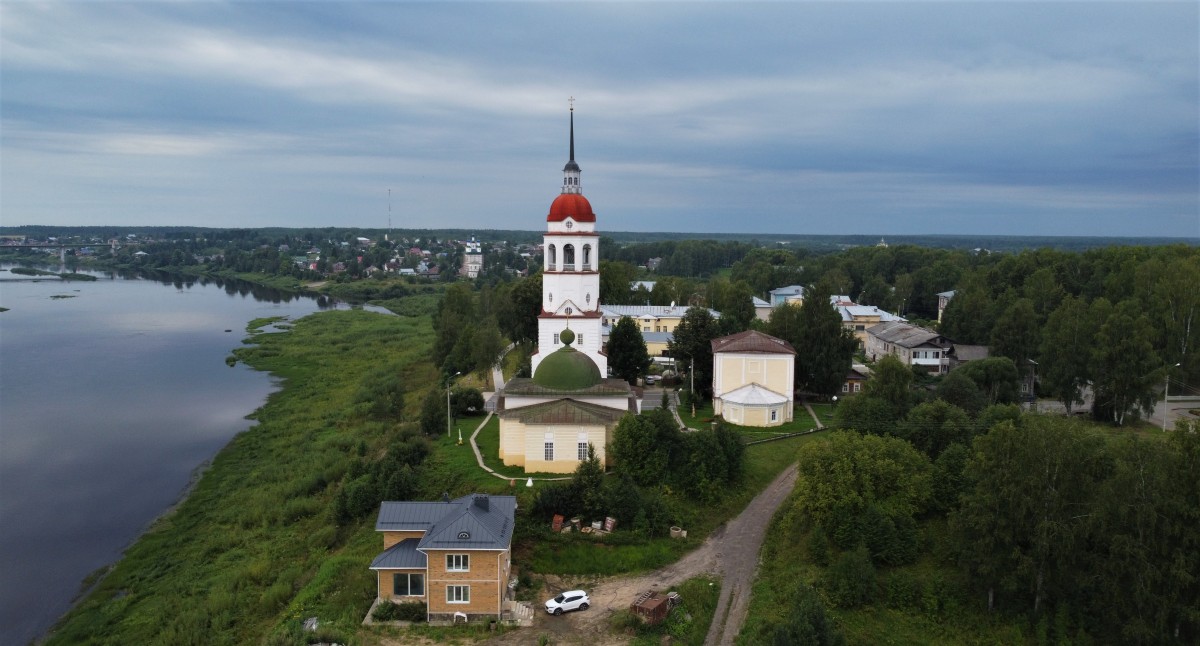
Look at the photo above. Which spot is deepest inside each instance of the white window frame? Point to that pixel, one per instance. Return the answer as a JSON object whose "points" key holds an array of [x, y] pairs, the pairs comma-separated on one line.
{"points": [[458, 562], [548, 450], [581, 450], [458, 594], [774, 414]]}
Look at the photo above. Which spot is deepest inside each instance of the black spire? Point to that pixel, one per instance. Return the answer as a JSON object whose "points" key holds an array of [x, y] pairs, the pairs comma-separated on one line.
{"points": [[571, 165]]}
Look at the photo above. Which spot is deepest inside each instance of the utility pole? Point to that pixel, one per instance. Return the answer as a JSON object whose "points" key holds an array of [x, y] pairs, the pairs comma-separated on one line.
{"points": [[449, 382], [1166, 385], [692, 376]]}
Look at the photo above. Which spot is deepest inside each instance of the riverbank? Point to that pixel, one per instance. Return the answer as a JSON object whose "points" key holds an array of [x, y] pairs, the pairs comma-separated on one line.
{"points": [[253, 545]]}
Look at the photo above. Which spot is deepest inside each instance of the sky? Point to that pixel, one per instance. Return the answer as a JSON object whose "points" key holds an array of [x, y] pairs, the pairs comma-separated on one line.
{"points": [[914, 118]]}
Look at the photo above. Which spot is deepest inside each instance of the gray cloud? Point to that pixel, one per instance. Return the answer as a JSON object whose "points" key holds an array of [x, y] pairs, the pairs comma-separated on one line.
{"points": [[827, 118]]}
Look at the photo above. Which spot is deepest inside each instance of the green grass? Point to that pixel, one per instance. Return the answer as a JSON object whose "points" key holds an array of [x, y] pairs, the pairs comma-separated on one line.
{"points": [[253, 551], [801, 421], [687, 624]]}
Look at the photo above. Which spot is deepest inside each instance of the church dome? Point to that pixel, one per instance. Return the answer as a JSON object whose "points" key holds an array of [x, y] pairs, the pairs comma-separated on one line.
{"points": [[571, 205], [567, 368]]}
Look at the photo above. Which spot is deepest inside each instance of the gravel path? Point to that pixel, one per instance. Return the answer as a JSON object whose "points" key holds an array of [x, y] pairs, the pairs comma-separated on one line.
{"points": [[730, 552]]}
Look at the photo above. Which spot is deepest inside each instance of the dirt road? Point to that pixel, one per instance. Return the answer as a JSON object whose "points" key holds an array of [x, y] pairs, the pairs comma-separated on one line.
{"points": [[730, 552]]}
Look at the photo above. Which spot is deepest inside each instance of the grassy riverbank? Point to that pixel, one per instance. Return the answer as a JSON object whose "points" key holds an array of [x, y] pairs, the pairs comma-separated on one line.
{"points": [[253, 550]]}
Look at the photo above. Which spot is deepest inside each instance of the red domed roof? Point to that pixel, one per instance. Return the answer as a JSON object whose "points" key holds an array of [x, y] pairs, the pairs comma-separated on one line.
{"points": [[571, 205]]}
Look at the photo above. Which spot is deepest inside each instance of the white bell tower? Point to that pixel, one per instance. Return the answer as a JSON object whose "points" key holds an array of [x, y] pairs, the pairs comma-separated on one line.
{"points": [[571, 270]]}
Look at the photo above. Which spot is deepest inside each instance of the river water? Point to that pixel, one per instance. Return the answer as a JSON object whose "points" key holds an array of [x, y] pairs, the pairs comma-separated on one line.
{"points": [[112, 393]]}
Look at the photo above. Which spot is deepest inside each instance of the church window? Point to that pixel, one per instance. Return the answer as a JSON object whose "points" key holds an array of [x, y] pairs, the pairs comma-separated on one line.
{"points": [[774, 414], [556, 338], [550, 296], [588, 298], [587, 257], [549, 451], [581, 447], [553, 259], [579, 339], [570, 224]]}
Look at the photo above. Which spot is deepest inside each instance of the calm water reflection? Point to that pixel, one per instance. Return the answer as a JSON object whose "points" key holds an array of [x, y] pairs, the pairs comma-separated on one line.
{"points": [[111, 394]]}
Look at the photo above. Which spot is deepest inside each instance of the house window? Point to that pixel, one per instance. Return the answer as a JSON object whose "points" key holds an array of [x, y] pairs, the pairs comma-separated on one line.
{"points": [[408, 585], [458, 562], [458, 594], [582, 450], [857, 387], [549, 451], [846, 387]]}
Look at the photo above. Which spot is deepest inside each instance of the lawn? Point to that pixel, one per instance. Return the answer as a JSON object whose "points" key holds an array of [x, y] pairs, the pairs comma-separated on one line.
{"points": [[801, 421]]}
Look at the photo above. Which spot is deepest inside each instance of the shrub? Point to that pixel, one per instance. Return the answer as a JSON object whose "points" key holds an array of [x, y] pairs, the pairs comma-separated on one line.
{"points": [[851, 580]]}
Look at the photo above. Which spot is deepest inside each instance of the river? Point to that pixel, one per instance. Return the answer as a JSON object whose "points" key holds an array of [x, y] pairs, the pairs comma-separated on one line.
{"points": [[112, 394]]}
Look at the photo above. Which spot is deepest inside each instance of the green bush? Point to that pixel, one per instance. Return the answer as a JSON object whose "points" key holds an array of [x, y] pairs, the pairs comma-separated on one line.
{"points": [[850, 582]]}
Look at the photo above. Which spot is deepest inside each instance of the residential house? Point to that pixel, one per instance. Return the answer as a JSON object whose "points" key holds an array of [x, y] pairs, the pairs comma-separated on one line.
{"points": [[943, 301], [453, 555], [762, 309], [650, 318], [856, 379], [914, 346], [792, 295], [857, 318], [753, 379]]}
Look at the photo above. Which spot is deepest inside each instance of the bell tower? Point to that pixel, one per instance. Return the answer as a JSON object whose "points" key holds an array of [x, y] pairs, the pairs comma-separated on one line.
{"points": [[571, 270]]}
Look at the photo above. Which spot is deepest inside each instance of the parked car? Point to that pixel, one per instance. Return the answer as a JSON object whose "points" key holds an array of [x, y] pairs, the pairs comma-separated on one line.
{"points": [[651, 379], [570, 600]]}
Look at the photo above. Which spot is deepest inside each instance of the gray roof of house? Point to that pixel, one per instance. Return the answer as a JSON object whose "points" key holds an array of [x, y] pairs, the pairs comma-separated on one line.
{"points": [[409, 516], [481, 522], [789, 290], [904, 335], [472, 522], [649, 311], [758, 302], [401, 555]]}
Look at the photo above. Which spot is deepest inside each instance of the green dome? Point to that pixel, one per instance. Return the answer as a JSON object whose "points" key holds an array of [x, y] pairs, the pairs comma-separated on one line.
{"points": [[567, 368]]}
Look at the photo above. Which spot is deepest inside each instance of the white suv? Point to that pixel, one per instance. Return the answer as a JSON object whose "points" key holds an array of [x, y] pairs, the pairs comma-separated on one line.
{"points": [[570, 600]]}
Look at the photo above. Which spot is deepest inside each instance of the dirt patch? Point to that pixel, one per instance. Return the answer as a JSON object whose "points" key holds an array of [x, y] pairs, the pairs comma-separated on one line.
{"points": [[730, 552]]}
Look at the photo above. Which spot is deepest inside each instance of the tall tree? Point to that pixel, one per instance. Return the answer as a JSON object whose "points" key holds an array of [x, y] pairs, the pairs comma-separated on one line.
{"points": [[691, 346], [737, 309], [1015, 334], [968, 318], [1125, 370], [892, 383], [934, 426], [519, 321], [1066, 351], [453, 318], [996, 377], [1022, 526], [616, 282], [826, 347], [626, 350]]}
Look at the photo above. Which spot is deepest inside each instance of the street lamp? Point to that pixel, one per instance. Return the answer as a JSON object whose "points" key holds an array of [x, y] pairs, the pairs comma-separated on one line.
{"points": [[1166, 385], [448, 383]]}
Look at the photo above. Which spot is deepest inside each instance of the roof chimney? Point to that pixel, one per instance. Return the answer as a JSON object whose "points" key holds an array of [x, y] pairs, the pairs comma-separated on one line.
{"points": [[481, 501]]}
